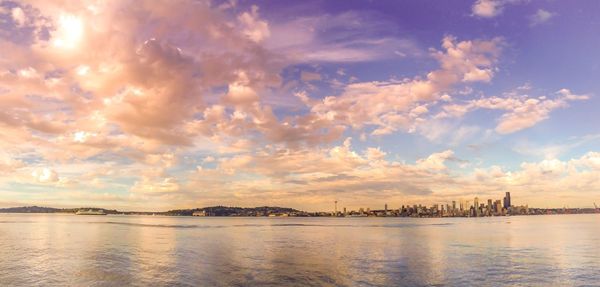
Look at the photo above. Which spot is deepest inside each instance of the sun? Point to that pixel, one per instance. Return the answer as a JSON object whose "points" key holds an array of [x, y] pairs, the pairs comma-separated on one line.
{"points": [[69, 32]]}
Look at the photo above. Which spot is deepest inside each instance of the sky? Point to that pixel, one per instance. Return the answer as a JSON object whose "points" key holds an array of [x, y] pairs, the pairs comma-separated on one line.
{"points": [[158, 105]]}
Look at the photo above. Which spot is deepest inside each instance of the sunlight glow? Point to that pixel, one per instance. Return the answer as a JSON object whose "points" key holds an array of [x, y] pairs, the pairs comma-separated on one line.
{"points": [[69, 32]]}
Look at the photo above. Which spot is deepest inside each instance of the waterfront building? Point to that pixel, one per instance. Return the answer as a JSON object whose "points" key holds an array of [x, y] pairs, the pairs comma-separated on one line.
{"points": [[199, 213]]}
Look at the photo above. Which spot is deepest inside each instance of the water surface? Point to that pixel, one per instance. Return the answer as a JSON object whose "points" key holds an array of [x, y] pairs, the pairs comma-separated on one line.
{"points": [[70, 250]]}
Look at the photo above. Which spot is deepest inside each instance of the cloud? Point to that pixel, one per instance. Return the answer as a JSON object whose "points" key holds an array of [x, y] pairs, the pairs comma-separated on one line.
{"points": [[521, 111], [398, 105], [18, 16], [148, 89], [553, 150], [169, 104], [436, 161], [487, 8], [315, 175], [240, 92], [339, 38], [141, 82], [150, 186], [541, 16], [492, 8], [254, 28], [527, 112], [8, 164], [590, 160], [45, 175]]}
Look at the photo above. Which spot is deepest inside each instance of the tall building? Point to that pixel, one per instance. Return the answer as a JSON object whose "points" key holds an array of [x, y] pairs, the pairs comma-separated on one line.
{"points": [[476, 205], [498, 206], [335, 214], [507, 200]]}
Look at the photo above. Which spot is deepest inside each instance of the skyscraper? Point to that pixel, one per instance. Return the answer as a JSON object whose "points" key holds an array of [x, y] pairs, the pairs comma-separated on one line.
{"points": [[498, 207], [507, 200]]}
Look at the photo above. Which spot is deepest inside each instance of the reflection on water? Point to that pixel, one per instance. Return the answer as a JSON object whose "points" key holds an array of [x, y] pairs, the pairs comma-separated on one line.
{"points": [[68, 250]]}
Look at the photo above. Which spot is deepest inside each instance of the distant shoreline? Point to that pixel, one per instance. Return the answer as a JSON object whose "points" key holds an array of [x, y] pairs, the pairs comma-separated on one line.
{"points": [[278, 212]]}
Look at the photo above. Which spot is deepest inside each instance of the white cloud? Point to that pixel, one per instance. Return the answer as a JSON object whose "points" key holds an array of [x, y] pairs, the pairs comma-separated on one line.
{"points": [[590, 160], [45, 175], [521, 111], [541, 16], [436, 161]]}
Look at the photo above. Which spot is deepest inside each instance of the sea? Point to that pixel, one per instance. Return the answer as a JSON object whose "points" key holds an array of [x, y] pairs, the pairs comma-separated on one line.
{"points": [[122, 250]]}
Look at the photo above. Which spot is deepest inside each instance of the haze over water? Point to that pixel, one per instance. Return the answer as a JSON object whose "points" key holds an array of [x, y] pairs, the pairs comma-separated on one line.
{"points": [[69, 250]]}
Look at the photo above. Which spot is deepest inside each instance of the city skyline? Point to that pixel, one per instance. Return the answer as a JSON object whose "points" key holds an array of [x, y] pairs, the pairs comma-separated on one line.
{"points": [[160, 105], [460, 208]]}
